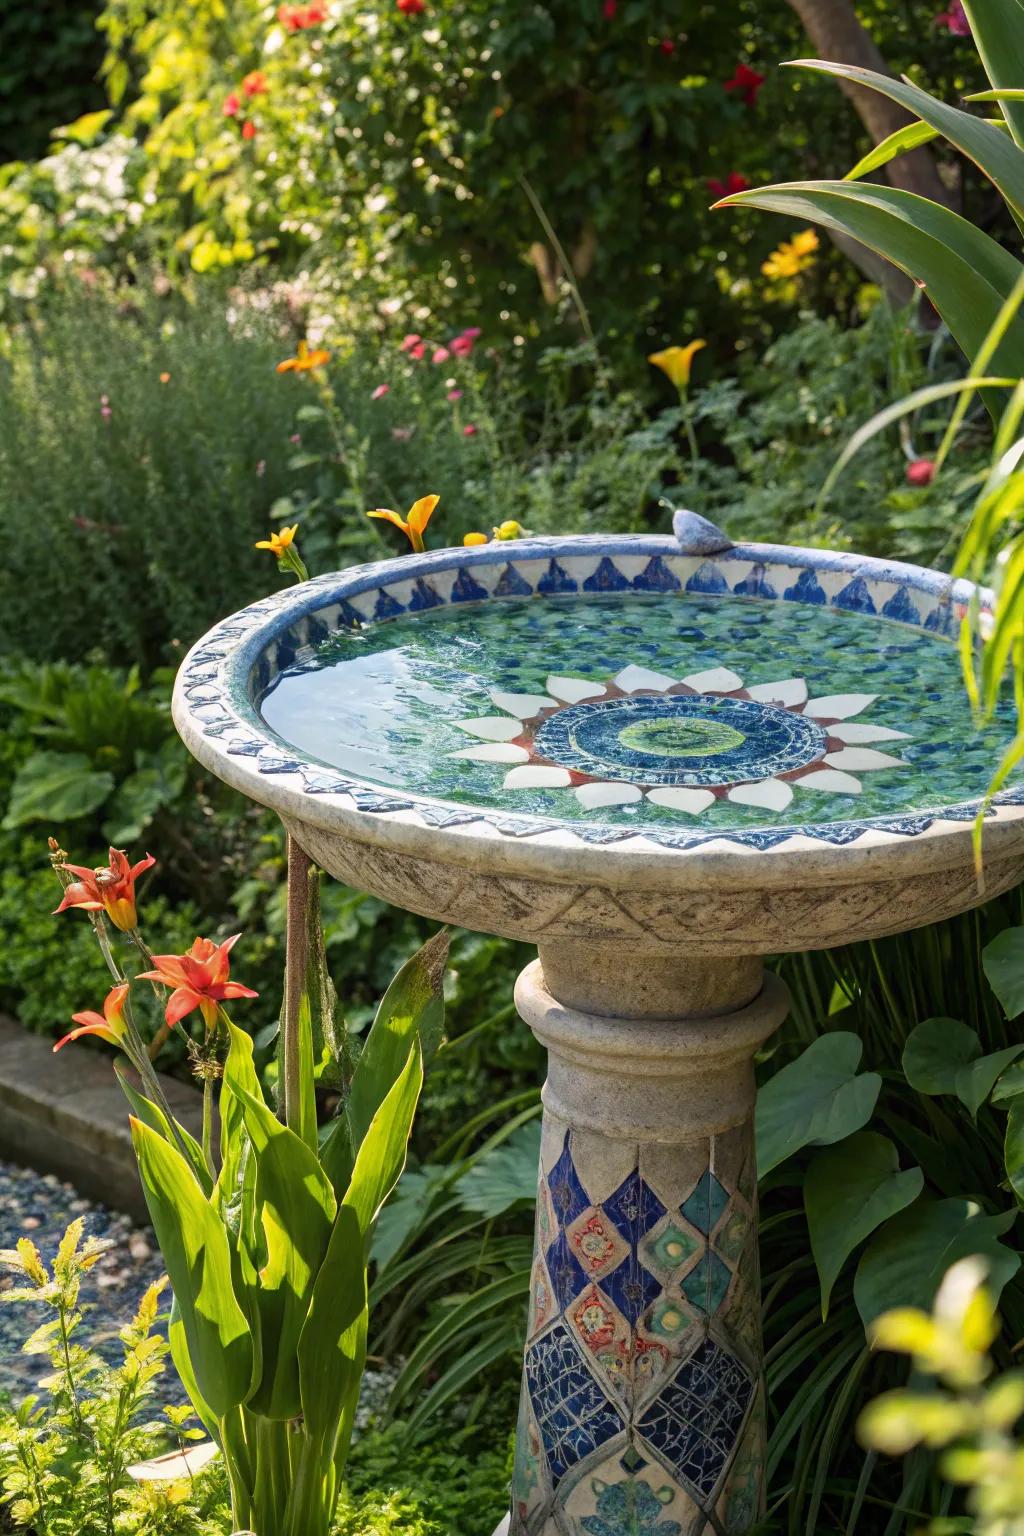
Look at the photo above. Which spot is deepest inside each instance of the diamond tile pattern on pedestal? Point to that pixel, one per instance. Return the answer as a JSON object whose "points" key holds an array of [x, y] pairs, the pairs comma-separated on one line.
{"points": [[573, 1414], [694, 1422], [706, 1204]]}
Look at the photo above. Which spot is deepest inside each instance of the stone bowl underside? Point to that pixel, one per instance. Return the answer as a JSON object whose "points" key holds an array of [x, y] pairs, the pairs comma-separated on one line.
{"points": [[775, 880]]}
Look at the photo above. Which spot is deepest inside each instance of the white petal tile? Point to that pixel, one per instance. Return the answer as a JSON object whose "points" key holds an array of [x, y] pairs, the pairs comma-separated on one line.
{"points": [[769, 794], [854, 733], [715, 680], [572, 689], [838, 706], [692, 800], [863, 759], [522, 705], [791, 691], [492, 728], [831, 781], [536, 777], [494, 752], [630, 679], [593, 795]]}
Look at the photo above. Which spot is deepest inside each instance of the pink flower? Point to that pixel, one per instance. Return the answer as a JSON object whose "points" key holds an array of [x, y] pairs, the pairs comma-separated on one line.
{"points": [[296, 437], [410, 341], [106, 412], [419, 351], [441, 355], [455, 394], [955, 19], [734, 182], [402, 434], [463, 344], [381, 391], [746, 82], [469, 430], [261, 468], [231, 105], [921, 472]]}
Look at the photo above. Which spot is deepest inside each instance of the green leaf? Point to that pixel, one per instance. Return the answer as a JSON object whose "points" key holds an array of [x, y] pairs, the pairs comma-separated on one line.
{"points": [[1009, 1085], [294, 1213], [905, 1261], [1013, 1149], [968, 276], [912, 136], [194, 1245], [56, 787], [1003, 962], [332, 1346], [975, 1082], [999, 37], [152, 1115], [936, 1051], [850, 1190], [239, 1073], [818, 1099], [178, 1341], [504, 1176], [992, 152]]}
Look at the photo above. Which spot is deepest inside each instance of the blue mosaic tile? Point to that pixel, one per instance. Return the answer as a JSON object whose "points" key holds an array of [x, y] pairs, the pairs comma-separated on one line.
{"points": [[632, 1288], [607, 578], [349, 617], [634, 1208], [567, 1278], [574, 1417], [512, 584], [387, 607], [705, 1205], [806, 589], [940, 620], [856, 597], [556, 580], [707, 1284], [901, 609], [695, 1422], [465, 589], [424, 596], [629, 1508], [756, 585], [656, 577], [568, 1196], [707, 579]]}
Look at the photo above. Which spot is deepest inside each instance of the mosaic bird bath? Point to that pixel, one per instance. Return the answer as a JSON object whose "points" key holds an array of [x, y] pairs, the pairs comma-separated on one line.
{"points": [[658, 759]]}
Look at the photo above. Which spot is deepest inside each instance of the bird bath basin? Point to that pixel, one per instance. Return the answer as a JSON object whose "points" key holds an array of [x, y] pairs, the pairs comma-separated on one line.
{"points": [[657, 759]]}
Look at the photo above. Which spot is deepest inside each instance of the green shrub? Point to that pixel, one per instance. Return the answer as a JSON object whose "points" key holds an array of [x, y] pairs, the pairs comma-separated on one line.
{"points": [[51, 58]]}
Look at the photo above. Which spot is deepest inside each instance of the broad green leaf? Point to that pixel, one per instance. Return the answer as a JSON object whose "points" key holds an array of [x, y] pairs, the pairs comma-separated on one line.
{"points": [[56, 787], [505, 1175], [849, 1190], [905, 1261], [1003, 962], [194, 1245], [967, 275], [998, 31], [912, 136], [294, 1212], [85, 129], [152, 1115], [332, 1346], [936, 1051], [406, 1211], [975, 1082], [239, 1073], [178, 1341], [1013, 1148], [818, 1099], [1009, 1085], [992, 152]]}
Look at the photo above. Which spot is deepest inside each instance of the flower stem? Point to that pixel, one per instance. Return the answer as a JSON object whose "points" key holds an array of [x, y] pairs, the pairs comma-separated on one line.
{"points": [[295, 968]]}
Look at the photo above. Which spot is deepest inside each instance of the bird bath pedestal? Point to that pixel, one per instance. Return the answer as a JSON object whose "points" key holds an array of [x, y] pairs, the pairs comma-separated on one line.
{"points": [[657, 759]]}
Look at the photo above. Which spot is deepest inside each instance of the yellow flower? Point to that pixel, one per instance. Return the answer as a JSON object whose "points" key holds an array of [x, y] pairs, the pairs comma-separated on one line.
{"points": [[304, 359], [510, 530], [676, 362], [792, 257], [279, 542], [415, 524], [475, 538]]}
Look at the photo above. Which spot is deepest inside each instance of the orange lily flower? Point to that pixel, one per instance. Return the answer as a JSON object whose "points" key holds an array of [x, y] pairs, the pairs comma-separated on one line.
{"points": [[415, 524], [279, 542], [304, 360], [199, 979], [108, 1025], [676, 362], [110, 890]]}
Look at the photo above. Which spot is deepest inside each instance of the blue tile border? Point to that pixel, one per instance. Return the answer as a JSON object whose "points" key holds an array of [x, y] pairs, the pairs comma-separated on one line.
{"points": [[232, 665]]}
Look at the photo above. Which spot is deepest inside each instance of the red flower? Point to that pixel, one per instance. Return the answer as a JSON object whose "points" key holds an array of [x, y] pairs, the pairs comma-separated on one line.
{"points": [[110, 890], [441, 355], [248, 129], [411, 7], [955, 19], [734, 182], [109, 1024], [463, 344], [667, 45], [746, 82], [231, 105], [419, 351], [297, 18], [199, 979], [255, 84], [610, 7], [469, 431], [410, 341], [921, 472]]}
